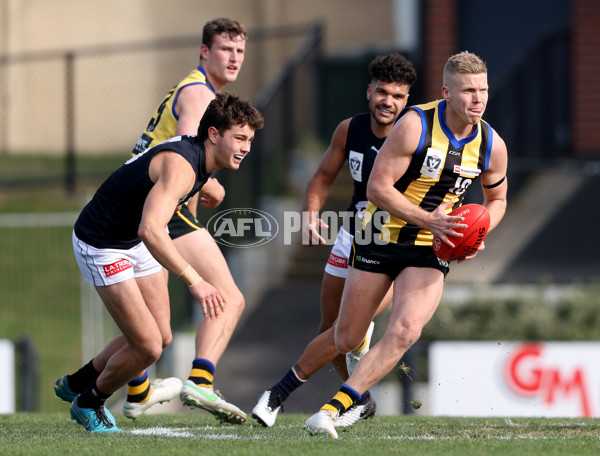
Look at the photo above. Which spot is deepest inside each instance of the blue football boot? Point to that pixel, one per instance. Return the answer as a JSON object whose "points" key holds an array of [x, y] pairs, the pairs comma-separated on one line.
{"points": [[97, 421], [62, 390]]}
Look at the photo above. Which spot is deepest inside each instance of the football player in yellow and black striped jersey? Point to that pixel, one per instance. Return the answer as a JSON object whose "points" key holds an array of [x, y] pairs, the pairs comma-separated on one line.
{"points": [[430, 159]]}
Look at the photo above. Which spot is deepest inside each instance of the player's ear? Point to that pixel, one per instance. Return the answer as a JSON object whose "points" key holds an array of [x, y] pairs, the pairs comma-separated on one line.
{"points": [[213, 134], [204, 52], [445, 92]]}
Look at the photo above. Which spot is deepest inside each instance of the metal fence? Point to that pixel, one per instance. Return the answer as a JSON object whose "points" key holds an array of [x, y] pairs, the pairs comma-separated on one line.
{"points": [[98, 100]]}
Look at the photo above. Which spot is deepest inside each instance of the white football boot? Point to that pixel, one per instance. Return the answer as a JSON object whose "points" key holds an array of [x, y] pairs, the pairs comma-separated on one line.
{"points": [[357, 412], [266, 409], [212, 401], [322, 424], [161, 390]]}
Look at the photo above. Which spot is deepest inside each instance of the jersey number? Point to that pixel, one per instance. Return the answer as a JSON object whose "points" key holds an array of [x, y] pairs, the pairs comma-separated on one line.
{"points": [[154, 121], [461, 185]]}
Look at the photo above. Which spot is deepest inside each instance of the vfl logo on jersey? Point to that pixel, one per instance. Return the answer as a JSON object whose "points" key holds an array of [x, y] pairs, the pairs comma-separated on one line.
{"points": [[116, 267], [355, 161], [432, 165]]}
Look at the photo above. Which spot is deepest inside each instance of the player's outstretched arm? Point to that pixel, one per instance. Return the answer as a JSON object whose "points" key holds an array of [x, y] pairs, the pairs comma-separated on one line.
{"points": [[318, 187]]}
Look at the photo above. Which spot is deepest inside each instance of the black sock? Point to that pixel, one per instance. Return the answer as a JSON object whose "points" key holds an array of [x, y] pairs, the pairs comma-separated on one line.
{"points": [[92, 397], [288, 383], [364, 398], [84, 377]]}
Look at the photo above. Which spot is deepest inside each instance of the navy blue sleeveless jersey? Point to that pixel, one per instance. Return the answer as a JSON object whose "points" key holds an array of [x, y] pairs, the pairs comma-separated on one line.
{"points": [[111, 219], [362, 147]]}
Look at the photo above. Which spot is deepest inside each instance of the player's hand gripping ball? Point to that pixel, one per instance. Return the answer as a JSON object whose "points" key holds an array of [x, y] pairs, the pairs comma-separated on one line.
{"points": [[478, 219]]}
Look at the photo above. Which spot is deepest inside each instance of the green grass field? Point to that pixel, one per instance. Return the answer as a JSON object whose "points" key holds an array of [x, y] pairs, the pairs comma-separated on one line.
{"points": [[55, 434]]}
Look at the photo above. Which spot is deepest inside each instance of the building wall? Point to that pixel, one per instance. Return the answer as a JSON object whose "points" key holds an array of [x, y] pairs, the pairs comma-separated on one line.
{"points": [[351, 27], [117, 88], [506, 41], [36, 25], [585, 74]]}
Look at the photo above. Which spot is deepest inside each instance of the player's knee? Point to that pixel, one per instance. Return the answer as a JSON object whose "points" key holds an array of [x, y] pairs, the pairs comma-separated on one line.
{"points": [[167, 339], [405, 338], [150, 353], [345, 343], [236, 303], [241, 303]]}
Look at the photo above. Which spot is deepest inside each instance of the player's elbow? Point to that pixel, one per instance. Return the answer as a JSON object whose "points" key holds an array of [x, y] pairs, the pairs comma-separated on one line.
{"points": [[497, 209], [374, 192], [147, 234]]}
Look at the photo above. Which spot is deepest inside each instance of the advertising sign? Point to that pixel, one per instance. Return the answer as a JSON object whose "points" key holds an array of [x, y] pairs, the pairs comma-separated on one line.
{"points": [[545, 379], [7, 376]]}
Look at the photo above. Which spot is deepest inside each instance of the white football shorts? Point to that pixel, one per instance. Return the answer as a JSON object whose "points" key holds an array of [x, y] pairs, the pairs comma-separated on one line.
{"points": [[102, 267], [337, 263]]}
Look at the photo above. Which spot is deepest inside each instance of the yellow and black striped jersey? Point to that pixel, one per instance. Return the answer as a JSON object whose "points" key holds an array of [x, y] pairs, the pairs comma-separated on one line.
{"points": [[163, 124], [441, 168]]}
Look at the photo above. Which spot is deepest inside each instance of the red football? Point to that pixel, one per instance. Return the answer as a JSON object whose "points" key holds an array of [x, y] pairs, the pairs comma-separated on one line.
{"points": [[478, 219]]}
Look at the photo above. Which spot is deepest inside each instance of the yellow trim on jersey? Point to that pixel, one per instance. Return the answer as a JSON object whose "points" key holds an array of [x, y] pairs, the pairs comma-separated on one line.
{"points": [[186, 220]]}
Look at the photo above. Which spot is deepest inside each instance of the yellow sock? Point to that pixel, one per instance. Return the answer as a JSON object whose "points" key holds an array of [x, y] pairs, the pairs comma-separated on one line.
{"points": [[139, 392]]}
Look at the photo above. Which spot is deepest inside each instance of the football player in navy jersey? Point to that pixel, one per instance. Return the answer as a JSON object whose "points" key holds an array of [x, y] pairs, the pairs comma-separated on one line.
{"points": [[416, 193], [121, 247], [221, 57], [357, 141]]}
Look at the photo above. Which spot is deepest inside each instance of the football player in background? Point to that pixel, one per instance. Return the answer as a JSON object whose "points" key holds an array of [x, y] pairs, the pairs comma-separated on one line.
{"points": [[356, 141]]}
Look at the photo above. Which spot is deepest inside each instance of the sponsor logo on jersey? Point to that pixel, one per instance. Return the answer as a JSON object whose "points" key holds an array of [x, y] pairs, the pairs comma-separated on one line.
{"points": [[355, 161], [142, 144], [466, 171], [116, 267], [362, 259], [337, 261], [432, 164]]}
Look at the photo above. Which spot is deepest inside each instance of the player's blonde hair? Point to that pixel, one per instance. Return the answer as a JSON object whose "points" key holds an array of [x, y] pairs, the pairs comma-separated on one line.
{"points": [[465, 63]]}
